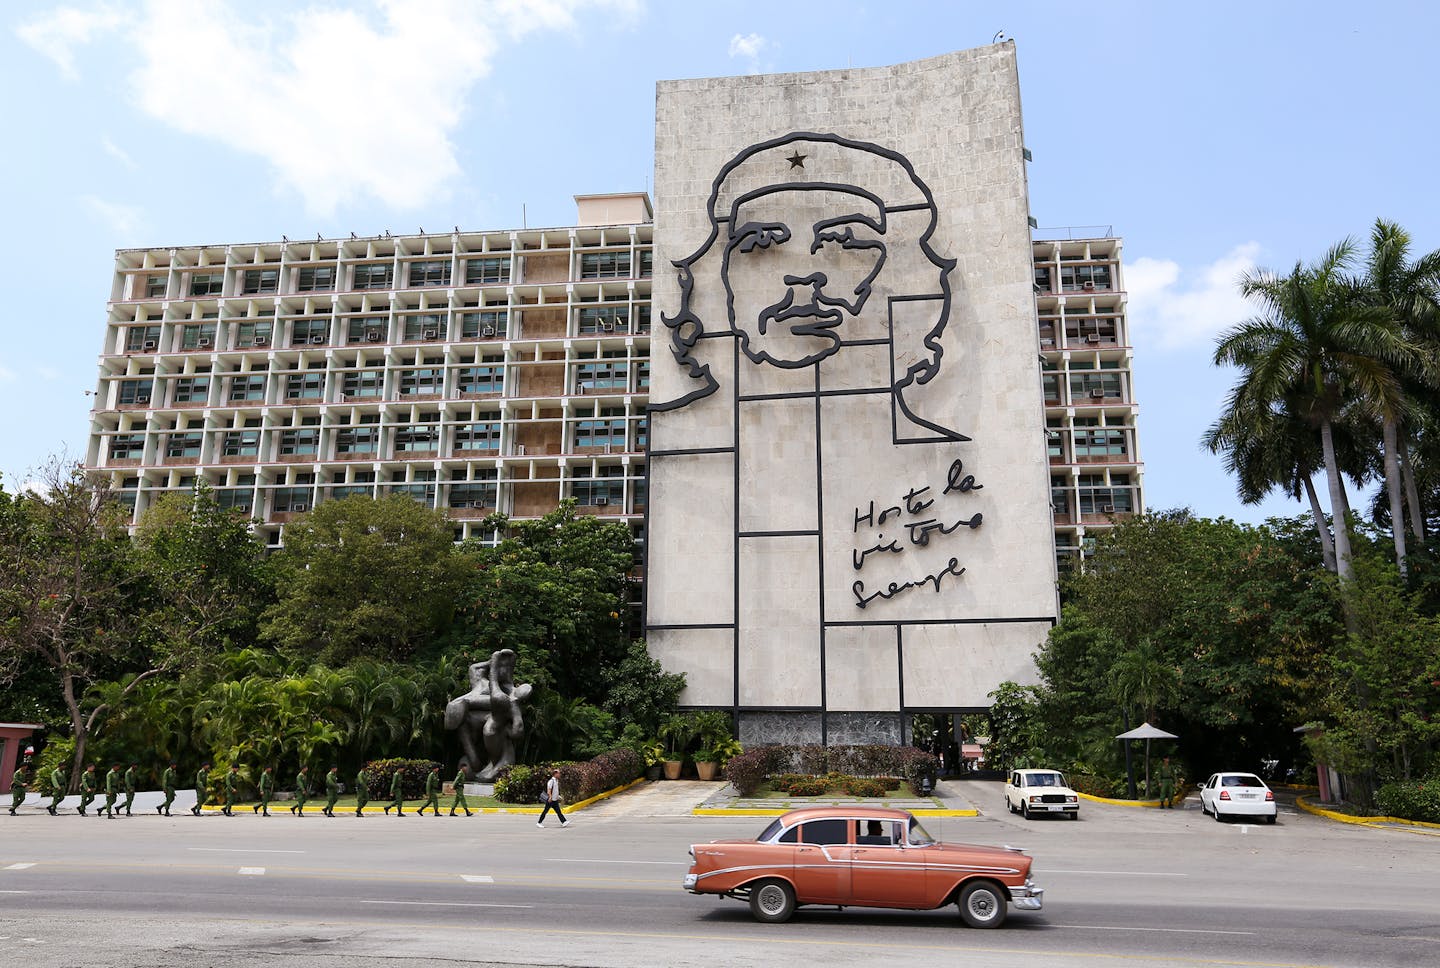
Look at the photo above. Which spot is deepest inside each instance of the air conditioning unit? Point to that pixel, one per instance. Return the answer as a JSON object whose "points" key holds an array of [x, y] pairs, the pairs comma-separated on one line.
{"points": [[317, 340], [1107, 509], [429, 334], [520, 449], [478, 504], [203, 342], [1093, 338], [242, 508], [607, 327], [1088, 286], [600, 502], [262, 340], [299, 507], [142, 398], [488, 331], [1097, 394], [372, 337], [149, 344]]}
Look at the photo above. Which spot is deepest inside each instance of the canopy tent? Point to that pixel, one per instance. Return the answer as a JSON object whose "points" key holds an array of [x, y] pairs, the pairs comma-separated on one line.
{"points": [[1146, 732]]}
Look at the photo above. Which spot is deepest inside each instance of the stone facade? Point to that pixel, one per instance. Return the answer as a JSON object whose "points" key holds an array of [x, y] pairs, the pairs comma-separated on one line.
{"points": [[849, 497]]}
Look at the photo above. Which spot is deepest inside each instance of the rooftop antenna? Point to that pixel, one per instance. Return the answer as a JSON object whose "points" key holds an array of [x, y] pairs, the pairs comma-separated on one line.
{"points": [[523, 223]]}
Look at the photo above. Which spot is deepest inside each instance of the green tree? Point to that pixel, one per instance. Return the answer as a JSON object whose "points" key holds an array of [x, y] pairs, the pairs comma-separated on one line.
{"points": [[638, 690], [362, 577]]}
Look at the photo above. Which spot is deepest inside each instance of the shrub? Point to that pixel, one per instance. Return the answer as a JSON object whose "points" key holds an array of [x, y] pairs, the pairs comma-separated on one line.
{"points": [[863, 787], [748, 770], [412, 783], [1095, 786], [808, 786], [1410, 800], [520, 784], [578, 781], [891, 783], [780, 763]]}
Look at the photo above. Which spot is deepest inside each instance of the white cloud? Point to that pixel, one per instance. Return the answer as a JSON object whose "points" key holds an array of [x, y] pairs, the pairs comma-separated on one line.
{"points": [[6, 376], [117, 152], [340, 103], [123, 220], [747, 45], [57, 33], [1171, 308]]}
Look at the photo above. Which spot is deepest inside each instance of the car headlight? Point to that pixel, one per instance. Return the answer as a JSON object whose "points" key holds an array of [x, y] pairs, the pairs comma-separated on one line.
{"points": [[1072, 799]]}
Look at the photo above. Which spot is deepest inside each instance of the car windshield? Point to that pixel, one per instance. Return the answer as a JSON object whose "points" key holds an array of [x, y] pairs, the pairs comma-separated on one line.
{"points": [[918, 837], [1045, 779], [1242, 780]]}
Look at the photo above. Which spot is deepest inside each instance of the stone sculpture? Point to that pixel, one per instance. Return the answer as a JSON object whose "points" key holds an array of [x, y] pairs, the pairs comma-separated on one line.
{"points": [[491, 711]]}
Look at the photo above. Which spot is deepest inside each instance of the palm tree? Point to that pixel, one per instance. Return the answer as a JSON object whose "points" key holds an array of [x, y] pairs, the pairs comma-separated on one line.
{"points": [[1316, 345]]}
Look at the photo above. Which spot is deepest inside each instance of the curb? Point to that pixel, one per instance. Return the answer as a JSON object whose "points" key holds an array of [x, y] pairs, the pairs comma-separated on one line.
{"points": [[1123, 803], [1308, 807]]}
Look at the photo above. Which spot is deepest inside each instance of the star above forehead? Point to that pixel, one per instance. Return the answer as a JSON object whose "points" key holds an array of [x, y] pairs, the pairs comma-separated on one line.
{"points": [[797, 160]]}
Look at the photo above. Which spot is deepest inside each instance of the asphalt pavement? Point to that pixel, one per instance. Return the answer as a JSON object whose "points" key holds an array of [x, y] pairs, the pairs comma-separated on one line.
{"points": [[1124, 886]]}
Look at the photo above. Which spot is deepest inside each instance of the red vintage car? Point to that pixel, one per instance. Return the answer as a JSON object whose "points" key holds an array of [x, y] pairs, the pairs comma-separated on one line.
{"points": [[862, 857]]}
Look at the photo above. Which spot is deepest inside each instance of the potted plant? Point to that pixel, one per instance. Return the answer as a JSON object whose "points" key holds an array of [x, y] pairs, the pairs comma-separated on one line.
{"points": [[654, 754], [713, 729], [707, 764], [677, 732]]}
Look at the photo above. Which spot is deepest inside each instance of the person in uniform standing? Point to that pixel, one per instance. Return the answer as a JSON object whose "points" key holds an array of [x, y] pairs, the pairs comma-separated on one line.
{"points": [[57, 791], [432, 793], [132, 776], [460, 793], [302, 791], [167, 785], [552, 801], [1167, 785], [112, 791], [396, 779], [17, 790], [362, 792], [332, 791], [267, 790], [232, 787], [87, 788], [202, 783]]}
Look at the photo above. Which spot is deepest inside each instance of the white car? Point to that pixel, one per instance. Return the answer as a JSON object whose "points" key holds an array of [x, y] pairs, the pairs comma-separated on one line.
{"points": [[1028, 792], [1237, 795]]}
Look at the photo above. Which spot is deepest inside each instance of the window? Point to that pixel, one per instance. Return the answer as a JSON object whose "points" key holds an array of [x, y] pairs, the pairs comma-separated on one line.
{"points": [[127, 446], [490, 324], [1098, 497], [607, 486], [365, 383], [374, 275], [315, 279], [366, 329], [487, 272], [642, 318], [417, 438], [155, 287], [1087, 386], [198, 337], [142, 339], [260, 281], [291, 499], [642, 375], [254, 332], [305, 386], [422, 381], [234, 498], [1100, 443], [207, 283], [824, 832], [182, 445], [432, 273], [303, 441], [642, 433], [423, 326], [478, 436], [1042, 278], [647, 263], [480, 379], [482, 492], [605, 265], [134, 392], [607, 433], [1083, 278], [240, 443], [1060, 496], [192, 389], [612, 374], [357, 440], [250, 387], [305, 332], [604, 319]]}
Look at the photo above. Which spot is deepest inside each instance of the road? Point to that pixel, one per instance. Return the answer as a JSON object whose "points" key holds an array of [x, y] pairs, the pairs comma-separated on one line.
{"points": [[1123, 887]]}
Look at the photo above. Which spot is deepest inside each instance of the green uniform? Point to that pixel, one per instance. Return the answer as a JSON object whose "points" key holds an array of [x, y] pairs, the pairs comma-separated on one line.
{"points": [[202, 782], [57, 790], [460, 794], [17, 791], [432, 794], [1167, 786], [130, 780], [332, 791], [362, 793], [267, 790], [87, 790], [167, 784], [302, 793], [112, 791], [232, 786], [399, 798]]}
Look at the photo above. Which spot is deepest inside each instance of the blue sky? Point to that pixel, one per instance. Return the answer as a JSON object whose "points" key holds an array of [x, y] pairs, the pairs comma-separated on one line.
{"points": [[1212, 137]]}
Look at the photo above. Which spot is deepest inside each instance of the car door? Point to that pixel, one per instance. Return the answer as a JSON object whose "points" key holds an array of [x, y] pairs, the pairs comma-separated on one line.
{"points": [[884, 872], [1012, 791], [1207, 793], [822, 862]]}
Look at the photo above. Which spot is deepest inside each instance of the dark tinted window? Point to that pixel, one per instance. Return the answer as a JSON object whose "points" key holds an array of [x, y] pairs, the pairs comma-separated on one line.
{"points": [[769, 832], [1245, 780], [824, 832]]}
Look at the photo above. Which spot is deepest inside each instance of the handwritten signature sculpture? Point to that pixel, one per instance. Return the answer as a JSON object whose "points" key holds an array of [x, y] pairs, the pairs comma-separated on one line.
{"points": [[491, 710]]}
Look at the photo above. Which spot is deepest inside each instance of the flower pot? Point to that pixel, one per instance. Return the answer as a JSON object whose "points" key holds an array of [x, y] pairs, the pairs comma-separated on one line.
{"points": [[654, 771], [672, 769], [707, 770]]}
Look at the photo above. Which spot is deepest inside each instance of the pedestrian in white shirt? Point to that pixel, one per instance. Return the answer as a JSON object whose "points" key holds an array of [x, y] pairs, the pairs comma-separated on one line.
{"points": [[552, 801]]}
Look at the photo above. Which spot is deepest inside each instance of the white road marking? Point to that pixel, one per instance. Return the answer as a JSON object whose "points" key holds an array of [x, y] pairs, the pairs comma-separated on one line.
{"points": [[477, 878], [1103, 927], [453, 904], [252, 871], [243, 850], [14, 892], [1047, 870], [592, 860], [19, 867]]}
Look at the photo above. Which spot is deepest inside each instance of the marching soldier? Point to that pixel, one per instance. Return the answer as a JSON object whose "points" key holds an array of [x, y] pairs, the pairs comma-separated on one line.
{"points": [[57, 791], [460, 794], [1167, 784], [332, 791], [232, 787], [87, 788], [362, 792], [167, 784], [399, 802], [131, 777], [17, 790], [267, 790], [302, 791], [202, 783], [432, 793], [112, 791]]}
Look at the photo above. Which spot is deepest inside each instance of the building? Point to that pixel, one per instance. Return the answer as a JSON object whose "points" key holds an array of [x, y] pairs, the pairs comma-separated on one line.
{"points": [[471, 371], [1090, 410]]}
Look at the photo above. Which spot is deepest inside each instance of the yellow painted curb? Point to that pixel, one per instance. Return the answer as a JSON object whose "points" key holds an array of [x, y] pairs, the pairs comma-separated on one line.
{"points": [[1308, 807], [1124, 803]]}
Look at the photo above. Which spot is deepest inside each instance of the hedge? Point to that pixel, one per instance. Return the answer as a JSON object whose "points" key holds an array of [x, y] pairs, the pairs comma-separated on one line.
{"points": [[1410, 800], [748, 770], [412, 787], [578, 781]]}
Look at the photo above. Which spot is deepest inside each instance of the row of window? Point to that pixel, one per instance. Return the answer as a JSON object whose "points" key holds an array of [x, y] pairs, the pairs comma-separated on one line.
{"points": [[1086, 278], [1092, 494]]}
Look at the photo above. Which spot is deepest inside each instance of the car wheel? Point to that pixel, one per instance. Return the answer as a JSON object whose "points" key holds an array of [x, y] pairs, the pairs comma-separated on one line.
{"points": [[982, 905], [1024, 810], [772, 901], [1074, 814], [1270, 819], [1218, 818]]}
